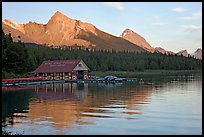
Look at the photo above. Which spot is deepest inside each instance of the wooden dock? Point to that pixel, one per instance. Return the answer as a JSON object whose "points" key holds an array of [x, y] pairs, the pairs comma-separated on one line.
{"points": [[32, 83], [65, 81], [101, 81]]}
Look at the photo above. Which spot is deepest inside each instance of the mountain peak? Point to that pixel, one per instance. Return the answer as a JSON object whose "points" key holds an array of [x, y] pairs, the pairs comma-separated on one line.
{"points": [[163, 51], [183, 52], [126, 31], [58, 14], [160, 50], [62, 31], [9, 22], [13, 25], [135, 38], [197, 54], [199, 49]]}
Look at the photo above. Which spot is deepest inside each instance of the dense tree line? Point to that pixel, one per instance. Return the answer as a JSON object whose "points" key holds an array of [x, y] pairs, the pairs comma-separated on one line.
{"points": [[115, 61], [18, 57], [15, 56]]}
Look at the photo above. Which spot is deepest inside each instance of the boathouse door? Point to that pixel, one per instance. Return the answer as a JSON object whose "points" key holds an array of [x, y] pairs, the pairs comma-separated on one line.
{"points": [[80, 74]]}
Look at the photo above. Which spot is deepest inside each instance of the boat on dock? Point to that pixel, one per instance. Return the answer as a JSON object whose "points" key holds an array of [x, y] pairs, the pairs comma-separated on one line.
{"points": [[41, 81], [111, 78]]}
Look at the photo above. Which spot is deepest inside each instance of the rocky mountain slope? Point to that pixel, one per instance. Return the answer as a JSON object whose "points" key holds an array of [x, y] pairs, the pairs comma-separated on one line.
{"points": [[183, 53], [136, 39], [62, 31], [163, 51], [197, 54]]}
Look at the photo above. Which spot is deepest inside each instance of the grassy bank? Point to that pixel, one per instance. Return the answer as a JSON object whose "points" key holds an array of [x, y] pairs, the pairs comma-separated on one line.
{"points": [[146, 73], [124, 74]]}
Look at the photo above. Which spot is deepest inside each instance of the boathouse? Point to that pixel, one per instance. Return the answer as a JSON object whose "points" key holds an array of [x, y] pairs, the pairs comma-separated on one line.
{"points": [[63, 70]]}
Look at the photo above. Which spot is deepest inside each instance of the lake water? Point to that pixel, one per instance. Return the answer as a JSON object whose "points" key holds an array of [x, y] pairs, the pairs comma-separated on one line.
{"points": [[161, 105]]}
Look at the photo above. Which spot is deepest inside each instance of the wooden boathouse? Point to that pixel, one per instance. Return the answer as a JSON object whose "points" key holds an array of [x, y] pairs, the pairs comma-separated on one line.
{"points": [[63, 70]]}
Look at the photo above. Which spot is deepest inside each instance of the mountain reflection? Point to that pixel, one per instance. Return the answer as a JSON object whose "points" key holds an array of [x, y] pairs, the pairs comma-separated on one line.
{"points": [[63, 105], [69, 108]]}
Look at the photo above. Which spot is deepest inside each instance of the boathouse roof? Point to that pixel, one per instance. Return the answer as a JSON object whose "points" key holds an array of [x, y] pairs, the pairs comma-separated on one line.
{"points": [[57, 66]]}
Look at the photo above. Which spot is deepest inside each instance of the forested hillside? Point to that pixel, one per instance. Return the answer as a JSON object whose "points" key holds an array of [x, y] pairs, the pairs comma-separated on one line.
{"points": [[15, 57], [116, 61], [21, 58]]}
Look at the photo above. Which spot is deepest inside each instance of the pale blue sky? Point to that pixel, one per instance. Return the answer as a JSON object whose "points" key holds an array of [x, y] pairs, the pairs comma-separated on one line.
{"points": [[173, 26]]}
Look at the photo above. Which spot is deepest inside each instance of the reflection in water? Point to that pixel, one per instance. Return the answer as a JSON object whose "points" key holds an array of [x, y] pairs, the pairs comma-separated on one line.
{"points": [[65, 104], [69, 108], [15, 102]]}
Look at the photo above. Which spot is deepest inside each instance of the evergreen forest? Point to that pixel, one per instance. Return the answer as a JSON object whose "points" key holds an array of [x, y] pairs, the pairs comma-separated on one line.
{"points": [[20, 58]]}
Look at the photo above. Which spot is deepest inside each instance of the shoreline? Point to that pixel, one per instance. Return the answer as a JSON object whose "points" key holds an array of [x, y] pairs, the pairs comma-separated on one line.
{"points": [[144, 73], [125, 74]]}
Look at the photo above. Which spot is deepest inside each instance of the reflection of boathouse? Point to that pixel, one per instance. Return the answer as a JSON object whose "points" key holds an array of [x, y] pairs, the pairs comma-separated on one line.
{"points": [[63, 70], [66, 105]]}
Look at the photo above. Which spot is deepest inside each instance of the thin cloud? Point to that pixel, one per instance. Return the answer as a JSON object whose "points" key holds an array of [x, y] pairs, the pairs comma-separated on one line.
{"points": [[188, 17], [199, 39], [192, 27], [196, 15], [179, 9], [115, 5], [159, 23], [155, 17]]}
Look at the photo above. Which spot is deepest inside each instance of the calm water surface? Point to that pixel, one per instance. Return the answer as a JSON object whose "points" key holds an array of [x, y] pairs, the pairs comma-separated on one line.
{"points": [[170, 105]]}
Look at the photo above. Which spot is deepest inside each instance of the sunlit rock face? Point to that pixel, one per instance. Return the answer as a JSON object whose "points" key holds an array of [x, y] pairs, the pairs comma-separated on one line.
{"points": [[197, 54], [137, 39], [183, 53], [163, 51], [62, 31]]}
